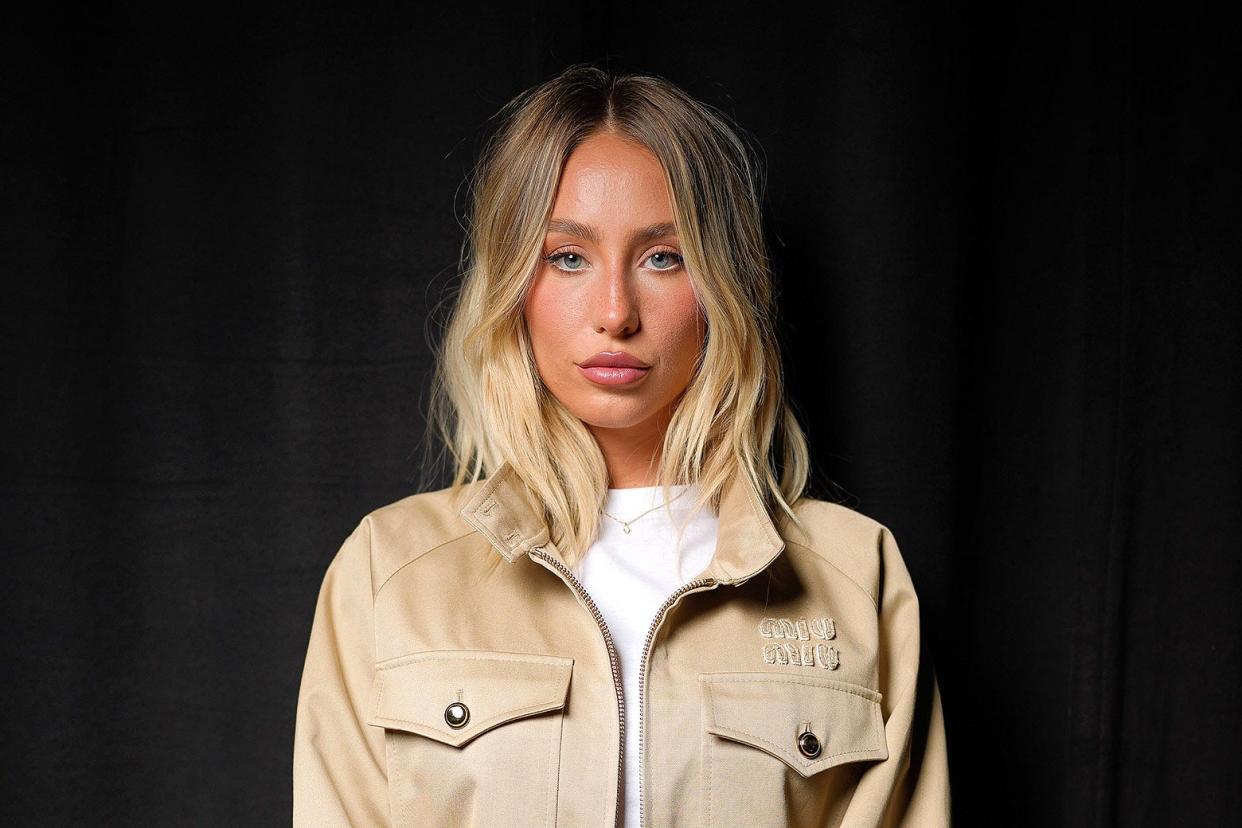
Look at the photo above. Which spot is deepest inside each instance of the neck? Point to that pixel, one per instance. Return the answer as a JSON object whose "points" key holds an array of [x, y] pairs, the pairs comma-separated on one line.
{"points": [[632, 454]]}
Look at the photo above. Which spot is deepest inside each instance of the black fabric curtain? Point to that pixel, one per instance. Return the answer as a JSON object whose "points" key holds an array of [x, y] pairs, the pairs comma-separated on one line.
{"points": [[1007, 249]]}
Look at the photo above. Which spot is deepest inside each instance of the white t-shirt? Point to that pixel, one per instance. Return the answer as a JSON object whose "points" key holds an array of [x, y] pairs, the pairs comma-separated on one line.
{"points": [[630, 575]]}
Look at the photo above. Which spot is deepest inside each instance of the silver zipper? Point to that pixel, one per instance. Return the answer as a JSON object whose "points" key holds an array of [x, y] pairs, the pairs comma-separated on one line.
{"points": [[616, 671], [642, 681]]}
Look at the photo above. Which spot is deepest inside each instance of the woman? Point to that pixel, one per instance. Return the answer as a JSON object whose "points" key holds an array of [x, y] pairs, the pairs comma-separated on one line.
{"points": [[525, 647]]}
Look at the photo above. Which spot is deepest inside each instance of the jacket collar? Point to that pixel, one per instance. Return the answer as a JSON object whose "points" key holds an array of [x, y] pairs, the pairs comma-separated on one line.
{"points": [[507, 512]]}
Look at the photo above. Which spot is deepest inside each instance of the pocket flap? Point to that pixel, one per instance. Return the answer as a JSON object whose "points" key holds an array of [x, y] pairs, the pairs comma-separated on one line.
{"points": [[767, 711], [413, 692]]}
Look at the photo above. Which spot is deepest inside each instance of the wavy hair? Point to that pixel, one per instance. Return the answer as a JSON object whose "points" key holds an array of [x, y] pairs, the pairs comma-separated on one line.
{"points": [[488, 401]]}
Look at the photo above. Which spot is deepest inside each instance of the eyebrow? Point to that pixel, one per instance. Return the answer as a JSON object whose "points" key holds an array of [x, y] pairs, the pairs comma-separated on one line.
{"points": [[586, 231]]}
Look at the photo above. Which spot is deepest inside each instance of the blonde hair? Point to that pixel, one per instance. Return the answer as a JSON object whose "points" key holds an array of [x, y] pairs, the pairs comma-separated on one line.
{"points": [[488, 401]]}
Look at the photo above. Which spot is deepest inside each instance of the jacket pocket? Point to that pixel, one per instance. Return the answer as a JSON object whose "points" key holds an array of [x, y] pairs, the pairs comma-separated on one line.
{"points": [[758, 766], [472, 737]]}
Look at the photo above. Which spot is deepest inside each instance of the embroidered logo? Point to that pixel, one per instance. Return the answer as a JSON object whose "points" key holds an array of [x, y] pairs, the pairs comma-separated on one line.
{"points": [[803, 643]]}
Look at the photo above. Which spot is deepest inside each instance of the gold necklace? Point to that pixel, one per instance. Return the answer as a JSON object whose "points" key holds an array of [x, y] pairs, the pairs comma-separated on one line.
{"points": [[625, 524]]}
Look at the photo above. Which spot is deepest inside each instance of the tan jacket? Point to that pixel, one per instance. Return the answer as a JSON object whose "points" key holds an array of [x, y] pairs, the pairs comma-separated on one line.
{"points": [[783, 686]]}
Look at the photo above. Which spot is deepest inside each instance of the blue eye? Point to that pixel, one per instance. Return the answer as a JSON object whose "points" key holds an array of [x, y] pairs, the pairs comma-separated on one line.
{"points": [[678, 260], [557, 257]]}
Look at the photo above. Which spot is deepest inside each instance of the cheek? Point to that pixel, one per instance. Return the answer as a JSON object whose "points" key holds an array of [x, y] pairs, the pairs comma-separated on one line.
{"points": [[548, 316], [540, 311], [684, 326]]}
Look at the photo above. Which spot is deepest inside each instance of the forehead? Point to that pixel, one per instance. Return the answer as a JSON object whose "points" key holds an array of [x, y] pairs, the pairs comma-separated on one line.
{"points": [[612, 180]]}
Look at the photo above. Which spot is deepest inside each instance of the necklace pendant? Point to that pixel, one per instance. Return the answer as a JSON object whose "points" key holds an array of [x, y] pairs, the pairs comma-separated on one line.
{"points": [[626, 528]]}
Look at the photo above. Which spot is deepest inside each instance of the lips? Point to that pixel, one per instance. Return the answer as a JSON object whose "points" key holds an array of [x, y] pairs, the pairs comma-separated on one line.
{"points": [[614, 368], [613, 359]]}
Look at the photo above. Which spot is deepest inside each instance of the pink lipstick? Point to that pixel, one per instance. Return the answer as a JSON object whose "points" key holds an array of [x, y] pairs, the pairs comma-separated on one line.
{"points": [[613, 368]]}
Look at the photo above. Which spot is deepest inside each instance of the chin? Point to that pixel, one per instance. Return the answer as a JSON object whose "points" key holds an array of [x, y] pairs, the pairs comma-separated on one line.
{"points": [[640, 420], [613, 422], [611, 416]]}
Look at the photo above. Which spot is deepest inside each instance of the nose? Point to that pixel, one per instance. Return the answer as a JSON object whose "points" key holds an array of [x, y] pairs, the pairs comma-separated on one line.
{"points": [[614, 303]]}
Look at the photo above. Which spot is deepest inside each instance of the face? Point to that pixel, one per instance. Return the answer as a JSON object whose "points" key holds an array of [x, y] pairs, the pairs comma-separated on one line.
{"points": [[611, 290]]}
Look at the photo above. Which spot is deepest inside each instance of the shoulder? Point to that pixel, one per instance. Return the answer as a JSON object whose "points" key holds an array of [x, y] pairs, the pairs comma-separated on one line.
{"points": [[405, 529], [841, 537]]}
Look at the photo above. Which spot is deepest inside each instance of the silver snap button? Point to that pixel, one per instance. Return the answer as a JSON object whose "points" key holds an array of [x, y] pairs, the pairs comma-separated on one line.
{"points": [[808, 744], [457, 714]]}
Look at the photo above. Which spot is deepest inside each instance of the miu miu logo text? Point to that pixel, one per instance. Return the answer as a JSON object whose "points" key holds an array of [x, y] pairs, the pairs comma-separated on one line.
{"points": [[803, 643]]}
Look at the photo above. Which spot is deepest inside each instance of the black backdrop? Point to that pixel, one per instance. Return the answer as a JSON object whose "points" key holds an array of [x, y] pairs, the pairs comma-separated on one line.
{"points": [[1007, 247]]}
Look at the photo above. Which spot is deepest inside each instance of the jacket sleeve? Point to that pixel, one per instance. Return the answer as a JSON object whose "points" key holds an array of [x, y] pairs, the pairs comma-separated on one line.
{"points": [[339, 766], [911, 787]]}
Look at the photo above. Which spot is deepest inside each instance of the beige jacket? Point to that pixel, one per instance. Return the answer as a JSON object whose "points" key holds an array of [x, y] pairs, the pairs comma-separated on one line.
{"points": [[783, 686]]}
